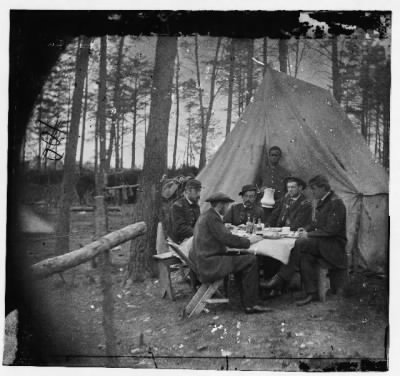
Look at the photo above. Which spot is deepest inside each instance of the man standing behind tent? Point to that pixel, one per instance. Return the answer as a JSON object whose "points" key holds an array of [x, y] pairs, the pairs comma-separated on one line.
{"points": [[185, 212], [208, 254], [272, 174], [238, 214], [324, 238]]}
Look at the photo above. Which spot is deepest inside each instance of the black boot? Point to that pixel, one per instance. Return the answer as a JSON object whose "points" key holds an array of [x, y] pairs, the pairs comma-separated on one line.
{"points": [[308, 299], [274, 283]]}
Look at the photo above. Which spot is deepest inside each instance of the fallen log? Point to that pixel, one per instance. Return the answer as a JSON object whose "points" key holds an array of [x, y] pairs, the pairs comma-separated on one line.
{"points": [[91, 208], [61, 263]]}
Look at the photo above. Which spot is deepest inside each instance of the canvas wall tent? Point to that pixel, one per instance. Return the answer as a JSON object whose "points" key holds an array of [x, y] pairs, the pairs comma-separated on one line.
{"points": [[316, 137]]}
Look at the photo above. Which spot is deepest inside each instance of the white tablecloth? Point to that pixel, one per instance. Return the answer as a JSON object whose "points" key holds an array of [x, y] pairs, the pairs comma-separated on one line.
{"points": [[277, 248]]}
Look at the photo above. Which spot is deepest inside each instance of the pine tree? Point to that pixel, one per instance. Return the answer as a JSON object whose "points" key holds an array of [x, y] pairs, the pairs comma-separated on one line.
{"points": [[68, 184], [155, 158]]}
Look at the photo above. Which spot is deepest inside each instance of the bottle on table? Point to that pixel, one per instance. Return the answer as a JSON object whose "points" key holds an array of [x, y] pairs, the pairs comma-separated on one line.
{"points": [[249, 225], [260, 226]]}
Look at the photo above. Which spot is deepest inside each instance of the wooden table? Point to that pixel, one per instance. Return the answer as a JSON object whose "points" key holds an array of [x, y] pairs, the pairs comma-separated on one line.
{"points": [[279, 248]]}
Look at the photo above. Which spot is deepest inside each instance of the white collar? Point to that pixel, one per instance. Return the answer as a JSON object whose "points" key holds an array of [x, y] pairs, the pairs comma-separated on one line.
{"points": [[190, 202], [221, 216], [325, 196]]}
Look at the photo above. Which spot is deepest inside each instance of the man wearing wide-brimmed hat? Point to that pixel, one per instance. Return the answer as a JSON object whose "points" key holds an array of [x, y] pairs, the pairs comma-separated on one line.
{"points": [[209, 253], [239, 213], [294, 209], [185, 212]]}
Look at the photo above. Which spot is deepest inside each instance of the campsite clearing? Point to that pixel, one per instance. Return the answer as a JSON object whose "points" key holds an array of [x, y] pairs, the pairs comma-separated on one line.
{"points": [[151, 332]]}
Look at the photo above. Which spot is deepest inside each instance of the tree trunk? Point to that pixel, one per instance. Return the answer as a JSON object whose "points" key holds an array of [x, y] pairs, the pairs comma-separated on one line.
{"points": [[230, 86], [297, 62], [155, 158], [386, 117], [204, 130], [200, 92], [240, 99], [145, 123], [283, 55], [188, 141], [250, 54], [117, 144], [96, 148], [68, 184], [177, 112], [377, 131], [116, 102], [101, 117], [336, 80], [265, 54], [68, 106], [364, 99], [39, 164], [84, 122], [121, 160], [134, 124]]}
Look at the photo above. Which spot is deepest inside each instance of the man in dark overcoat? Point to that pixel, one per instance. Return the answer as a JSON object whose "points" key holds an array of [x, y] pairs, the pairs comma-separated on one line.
{"points": [[238, 214], [324, 238], [294, 209], [184, 212], [209, 253]]}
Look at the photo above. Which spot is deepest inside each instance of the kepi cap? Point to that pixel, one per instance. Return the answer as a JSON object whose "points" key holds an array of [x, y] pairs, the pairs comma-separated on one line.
{"points": [[319, 180], [219, 197], [247, 188], [193, 183]]}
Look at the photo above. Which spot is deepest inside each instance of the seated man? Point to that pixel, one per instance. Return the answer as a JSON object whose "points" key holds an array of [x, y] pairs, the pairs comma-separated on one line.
{"points": [[238, 214], [185, 212], [293, 210], [324, 238], [208, 254]]}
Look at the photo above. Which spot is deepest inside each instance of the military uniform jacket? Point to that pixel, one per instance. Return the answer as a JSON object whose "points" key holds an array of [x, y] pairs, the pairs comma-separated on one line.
{"points": [[293, 213], [329, 226], [273, 177], [183, 217], [238, 214], [210, 240]]}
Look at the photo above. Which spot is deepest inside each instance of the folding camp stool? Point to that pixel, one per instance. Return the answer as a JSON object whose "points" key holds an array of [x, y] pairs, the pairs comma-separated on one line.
{"points": [[204, 293], [329, 278], [167, 262]]}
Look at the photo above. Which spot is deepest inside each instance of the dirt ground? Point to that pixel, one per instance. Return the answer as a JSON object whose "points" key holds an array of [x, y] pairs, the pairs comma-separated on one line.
{"points": [[151, 332]]}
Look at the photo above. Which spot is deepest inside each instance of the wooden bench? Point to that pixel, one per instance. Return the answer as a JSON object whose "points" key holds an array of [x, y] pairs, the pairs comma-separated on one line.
{"points": [[167, 262], [329, 278], [205, 292]]}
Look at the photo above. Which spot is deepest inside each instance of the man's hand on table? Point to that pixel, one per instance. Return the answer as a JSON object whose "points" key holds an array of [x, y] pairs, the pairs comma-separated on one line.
{"points": [[230, 226], [255, 238], [302, 233]]}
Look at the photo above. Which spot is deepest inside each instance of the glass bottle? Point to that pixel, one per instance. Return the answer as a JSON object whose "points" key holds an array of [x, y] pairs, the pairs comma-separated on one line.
{"points": [[249, 225]]}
